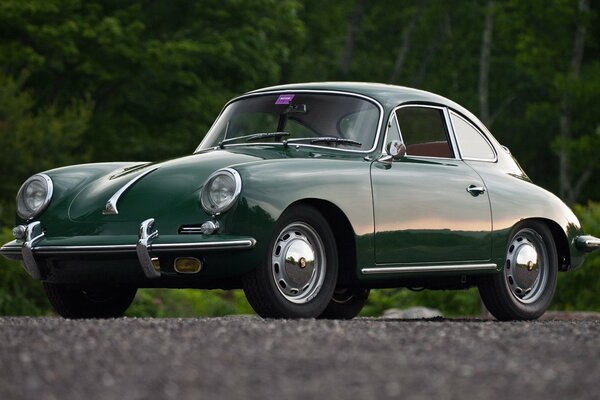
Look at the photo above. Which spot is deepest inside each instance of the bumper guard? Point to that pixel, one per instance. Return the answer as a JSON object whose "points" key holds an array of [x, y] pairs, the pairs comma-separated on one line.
{"points": [[147, 234], [587, 243]]}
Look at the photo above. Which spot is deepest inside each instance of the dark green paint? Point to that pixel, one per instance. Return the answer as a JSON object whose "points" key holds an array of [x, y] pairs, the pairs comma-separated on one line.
{"points": [[424, 214], [412, 211]]}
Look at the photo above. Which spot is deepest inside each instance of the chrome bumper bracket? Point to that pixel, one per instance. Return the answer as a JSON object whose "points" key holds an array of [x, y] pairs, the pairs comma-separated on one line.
{"points": [[33, 234], [146, 235]]}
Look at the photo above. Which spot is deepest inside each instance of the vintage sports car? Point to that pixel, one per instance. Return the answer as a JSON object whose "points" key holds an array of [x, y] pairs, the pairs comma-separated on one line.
{"points": [[306, 196]]}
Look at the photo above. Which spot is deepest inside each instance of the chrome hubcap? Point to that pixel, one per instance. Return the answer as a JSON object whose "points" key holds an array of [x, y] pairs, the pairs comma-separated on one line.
{"points": [[526, 268], [298, 263]]}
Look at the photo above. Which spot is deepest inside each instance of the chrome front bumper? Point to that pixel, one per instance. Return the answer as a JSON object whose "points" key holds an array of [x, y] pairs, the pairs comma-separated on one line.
{"points": [[26, 249]]}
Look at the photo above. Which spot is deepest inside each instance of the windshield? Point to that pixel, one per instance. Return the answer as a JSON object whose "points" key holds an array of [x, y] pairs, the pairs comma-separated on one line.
{"points": [[307, 116]]}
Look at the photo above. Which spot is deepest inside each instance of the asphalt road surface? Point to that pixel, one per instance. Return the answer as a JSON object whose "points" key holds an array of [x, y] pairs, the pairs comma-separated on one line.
{"points": [[250, 358]]}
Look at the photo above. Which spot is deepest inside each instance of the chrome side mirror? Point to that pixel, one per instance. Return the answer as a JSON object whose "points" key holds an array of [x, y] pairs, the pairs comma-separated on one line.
{"points": [[396, 149]]}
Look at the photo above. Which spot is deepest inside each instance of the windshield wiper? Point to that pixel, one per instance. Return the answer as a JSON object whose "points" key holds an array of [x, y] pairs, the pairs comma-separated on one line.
{"points": [[255, 136], [325, 139]]}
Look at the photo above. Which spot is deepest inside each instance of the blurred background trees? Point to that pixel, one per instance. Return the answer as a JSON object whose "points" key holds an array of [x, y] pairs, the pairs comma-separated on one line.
{"points": [[84, 81]]}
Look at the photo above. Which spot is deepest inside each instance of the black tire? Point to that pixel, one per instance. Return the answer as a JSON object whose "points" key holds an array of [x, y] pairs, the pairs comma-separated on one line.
{"points": [[270, 287], [345, 303], [100, 302], [502, 293]]}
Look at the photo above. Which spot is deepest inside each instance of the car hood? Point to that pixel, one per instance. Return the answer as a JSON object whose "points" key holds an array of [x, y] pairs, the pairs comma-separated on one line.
{"points": [[160, 188]]}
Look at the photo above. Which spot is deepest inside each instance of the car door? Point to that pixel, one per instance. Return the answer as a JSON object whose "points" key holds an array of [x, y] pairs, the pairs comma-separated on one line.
{"points": [[430, 207]]}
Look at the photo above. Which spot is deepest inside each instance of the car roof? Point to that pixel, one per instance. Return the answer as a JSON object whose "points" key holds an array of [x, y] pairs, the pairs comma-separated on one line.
{"points": [[389, 96], [385, 94]]}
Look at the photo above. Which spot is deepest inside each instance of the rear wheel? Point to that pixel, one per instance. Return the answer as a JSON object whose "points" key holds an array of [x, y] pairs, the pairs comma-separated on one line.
{"points": [[298, 275], [96, 302], [525, 288], [346, 303]]}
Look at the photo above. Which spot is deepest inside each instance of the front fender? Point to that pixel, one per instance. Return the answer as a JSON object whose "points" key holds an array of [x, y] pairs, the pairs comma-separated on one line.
{"points": [[270, 187], [68, 181]]}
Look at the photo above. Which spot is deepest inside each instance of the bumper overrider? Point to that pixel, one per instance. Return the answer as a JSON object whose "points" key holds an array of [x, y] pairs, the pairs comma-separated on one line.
{"points": [[587, 243], [32, 242]]}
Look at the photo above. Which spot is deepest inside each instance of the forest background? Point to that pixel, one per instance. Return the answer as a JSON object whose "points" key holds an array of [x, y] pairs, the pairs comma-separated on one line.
{"points": [[89, 80]]}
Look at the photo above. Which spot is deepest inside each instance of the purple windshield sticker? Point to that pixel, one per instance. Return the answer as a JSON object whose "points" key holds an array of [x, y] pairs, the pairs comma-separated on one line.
{"points": [[285, 99]]}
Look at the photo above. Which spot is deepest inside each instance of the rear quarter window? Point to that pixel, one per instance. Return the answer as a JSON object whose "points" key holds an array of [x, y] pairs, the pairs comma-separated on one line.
{"points": [[472, 144]]}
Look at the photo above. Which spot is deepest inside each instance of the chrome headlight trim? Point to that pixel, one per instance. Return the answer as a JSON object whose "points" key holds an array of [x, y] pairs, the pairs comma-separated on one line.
{"points": [[208, 204], [26, 211]]}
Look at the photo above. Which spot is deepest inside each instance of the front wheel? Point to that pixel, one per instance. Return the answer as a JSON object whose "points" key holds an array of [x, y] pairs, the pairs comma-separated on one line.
{"points": [[97, 302], [299, 272], [525, 288]]}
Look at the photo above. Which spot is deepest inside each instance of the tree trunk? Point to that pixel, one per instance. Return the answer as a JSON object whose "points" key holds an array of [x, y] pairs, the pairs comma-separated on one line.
{"points": [[405, 46], [484, 64], [568, 190], [443, 31], [353, 28]]}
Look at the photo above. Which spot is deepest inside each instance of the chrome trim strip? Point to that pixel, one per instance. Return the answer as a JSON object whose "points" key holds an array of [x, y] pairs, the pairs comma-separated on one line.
{"points": [[428, 268], [130, 248], [372, 100], [231, 244], [146, 235], [119, 248], [111, 205], [33, 234], [452, 134], [190, 229]]}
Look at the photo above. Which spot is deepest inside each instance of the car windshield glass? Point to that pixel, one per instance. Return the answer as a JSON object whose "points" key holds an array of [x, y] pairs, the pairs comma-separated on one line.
{"points": [[302, 115]]}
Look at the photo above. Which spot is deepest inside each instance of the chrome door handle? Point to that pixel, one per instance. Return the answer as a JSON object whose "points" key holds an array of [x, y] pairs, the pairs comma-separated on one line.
{"points": [[475, 190]]}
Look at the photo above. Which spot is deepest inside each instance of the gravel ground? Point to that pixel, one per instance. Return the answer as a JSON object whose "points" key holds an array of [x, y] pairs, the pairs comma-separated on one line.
{"points": [[250, 358]]}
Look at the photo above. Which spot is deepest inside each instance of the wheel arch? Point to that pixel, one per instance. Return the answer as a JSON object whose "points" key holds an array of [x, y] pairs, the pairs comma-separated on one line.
{"points": [[560, 240], [344, 235]]}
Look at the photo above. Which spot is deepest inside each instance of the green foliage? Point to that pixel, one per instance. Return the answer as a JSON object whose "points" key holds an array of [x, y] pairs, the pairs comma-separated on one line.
{"points": [[188, 303], [450, 303], [157, 72], [97, 80], [35, 138], [578, 290], [19, 294]]}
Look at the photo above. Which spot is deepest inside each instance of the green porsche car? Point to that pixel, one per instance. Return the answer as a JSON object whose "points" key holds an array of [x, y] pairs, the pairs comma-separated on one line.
{"points": [[306, 196]]}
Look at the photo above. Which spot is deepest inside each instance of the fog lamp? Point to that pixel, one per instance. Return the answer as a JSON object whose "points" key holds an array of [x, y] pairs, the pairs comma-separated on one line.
{"points": [[187, 265]]}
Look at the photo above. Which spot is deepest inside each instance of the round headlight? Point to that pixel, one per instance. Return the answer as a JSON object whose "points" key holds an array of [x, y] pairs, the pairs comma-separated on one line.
{"points": [[220, 191], [34, 196]]}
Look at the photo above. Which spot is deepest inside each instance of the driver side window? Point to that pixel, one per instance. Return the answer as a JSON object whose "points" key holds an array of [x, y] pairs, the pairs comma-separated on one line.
{"points": [[424, 132]]}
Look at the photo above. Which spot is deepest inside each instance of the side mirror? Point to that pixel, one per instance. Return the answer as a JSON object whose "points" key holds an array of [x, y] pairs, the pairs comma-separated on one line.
{"points": [[396, 149]]}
